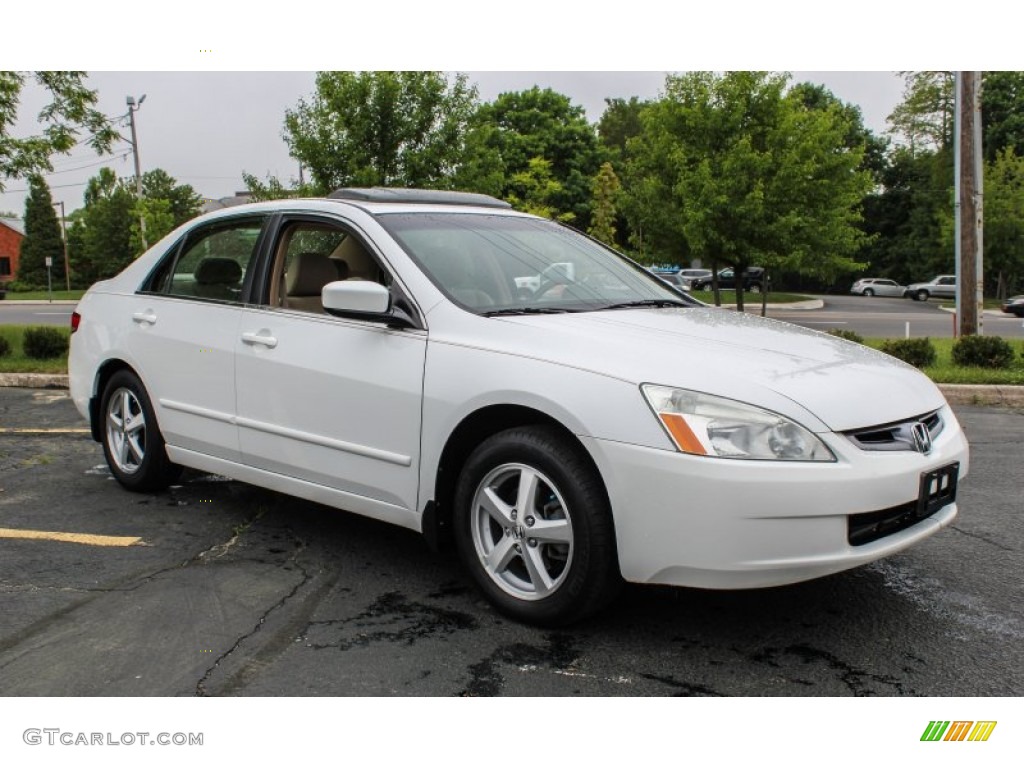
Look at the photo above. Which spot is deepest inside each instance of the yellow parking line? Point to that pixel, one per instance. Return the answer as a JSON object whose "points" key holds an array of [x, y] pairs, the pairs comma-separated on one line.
{"points": [[31, 431], [74, 538]]}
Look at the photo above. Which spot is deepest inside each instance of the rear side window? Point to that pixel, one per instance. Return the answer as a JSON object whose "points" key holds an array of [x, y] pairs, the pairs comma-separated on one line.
{"points": [[212, 263]]}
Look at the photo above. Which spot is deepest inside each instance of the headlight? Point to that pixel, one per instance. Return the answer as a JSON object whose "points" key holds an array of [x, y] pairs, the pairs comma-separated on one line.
{"points": [[706, 425]]}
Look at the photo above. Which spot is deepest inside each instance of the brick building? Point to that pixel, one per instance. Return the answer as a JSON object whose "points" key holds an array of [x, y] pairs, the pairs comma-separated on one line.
{"points": [[12, 232]]}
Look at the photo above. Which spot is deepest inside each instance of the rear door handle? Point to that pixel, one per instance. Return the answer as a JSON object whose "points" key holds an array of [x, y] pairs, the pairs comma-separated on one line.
{"points": [[262, 337], [145, 317]]}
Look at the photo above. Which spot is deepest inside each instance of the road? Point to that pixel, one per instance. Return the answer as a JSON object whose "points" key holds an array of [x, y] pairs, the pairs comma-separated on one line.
{"points": [[888, 318], [232, 590], [33, 313]]}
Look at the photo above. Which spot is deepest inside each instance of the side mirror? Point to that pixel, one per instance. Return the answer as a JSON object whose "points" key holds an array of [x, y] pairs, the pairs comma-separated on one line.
{"points": [[355, 297], [365, 300]]}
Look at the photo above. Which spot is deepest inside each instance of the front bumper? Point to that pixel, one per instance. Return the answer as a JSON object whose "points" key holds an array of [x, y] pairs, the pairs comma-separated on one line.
{"points": [[731, 524]]}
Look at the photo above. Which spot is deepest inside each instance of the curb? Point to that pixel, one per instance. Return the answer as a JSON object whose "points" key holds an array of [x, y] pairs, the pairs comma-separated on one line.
{"points": [[1005, 395], [34, 380], [798, 305]]}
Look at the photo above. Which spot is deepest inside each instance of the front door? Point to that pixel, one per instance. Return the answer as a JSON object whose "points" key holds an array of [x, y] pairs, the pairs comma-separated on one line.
{"points": [[332, 402]]}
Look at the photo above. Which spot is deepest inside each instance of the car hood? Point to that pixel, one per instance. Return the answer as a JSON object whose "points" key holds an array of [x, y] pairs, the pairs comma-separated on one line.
{"points": [[795, 371]]}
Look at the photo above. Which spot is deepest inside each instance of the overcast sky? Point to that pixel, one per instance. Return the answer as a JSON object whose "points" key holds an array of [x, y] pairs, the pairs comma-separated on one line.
{"points": [[206, 128]]}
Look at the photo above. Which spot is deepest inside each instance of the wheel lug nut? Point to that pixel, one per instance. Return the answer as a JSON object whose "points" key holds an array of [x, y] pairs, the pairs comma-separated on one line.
{"points": [[532, 542], [518, 548], [514, 514], [530, 521]]}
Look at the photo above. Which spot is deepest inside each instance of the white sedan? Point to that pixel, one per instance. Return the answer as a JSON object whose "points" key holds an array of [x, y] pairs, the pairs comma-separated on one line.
{"points": [[371, 351]]}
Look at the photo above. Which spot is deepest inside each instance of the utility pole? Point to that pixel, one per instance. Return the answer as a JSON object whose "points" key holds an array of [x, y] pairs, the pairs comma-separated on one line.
{"points": [[970, 282], [132, 109], [64, 233]]}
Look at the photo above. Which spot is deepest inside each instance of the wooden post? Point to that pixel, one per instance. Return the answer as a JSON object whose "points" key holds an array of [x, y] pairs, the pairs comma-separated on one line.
{"points": [[969, 212]]}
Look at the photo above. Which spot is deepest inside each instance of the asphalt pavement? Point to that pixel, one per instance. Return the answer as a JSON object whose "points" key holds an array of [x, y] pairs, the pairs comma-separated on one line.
{"points": [[875, 316], [219, 588]]}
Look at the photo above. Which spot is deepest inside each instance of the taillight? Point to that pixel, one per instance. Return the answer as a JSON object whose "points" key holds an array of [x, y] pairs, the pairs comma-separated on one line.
{"points": [[75, 320]]}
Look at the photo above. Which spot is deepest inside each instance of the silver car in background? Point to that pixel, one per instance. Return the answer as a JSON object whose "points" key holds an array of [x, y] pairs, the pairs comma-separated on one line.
{"points": [[878, 286]]}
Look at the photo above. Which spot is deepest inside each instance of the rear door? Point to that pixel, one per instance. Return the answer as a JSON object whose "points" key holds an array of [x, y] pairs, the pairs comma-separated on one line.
{"points": [[185, 326]]}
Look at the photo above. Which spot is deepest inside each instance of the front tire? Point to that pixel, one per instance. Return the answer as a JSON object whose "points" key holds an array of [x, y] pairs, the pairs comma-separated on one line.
{"points": [[132, 443], [921, 296], [534, 528], [868, 292]]}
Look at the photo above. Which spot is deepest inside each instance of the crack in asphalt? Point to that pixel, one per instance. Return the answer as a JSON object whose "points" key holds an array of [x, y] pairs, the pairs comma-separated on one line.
{"points": [[560, 656], [856, 680], [306, 576], [393, 618], [983, 538], [685, 689]]}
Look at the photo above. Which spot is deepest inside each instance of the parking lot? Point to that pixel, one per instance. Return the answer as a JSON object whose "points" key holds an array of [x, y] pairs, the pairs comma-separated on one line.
{"points": [[219, 588]]}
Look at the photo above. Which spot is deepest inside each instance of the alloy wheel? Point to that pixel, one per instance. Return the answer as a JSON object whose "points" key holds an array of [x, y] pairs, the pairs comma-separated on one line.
{"points": [[522, 531], [126, 430]]}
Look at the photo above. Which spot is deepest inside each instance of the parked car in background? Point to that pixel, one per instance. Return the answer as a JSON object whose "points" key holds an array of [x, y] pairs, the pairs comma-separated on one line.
{"points": [[370, 351], [878, 286], [942, 286], [753, 280], [675, 279], [1014, 306]]}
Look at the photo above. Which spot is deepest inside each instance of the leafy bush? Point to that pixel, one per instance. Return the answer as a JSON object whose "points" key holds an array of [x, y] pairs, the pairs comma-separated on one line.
{"points": [[5, 347], [17, 286], [842, 333], [918, 352], [983, 352], [44, 343]]}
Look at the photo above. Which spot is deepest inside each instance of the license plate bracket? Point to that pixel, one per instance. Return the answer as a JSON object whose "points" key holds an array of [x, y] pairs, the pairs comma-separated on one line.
{"points": [[937, 489]]}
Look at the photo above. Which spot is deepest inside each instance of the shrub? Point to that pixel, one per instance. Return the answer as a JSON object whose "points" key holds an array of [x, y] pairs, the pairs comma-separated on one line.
{"points": [[918, 352], [5, 347], [983, 352], [44, 343], [842, 333]]}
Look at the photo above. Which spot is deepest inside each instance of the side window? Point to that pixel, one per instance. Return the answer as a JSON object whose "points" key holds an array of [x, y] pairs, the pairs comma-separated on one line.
{"points": [[947, 281], [309, 255]]}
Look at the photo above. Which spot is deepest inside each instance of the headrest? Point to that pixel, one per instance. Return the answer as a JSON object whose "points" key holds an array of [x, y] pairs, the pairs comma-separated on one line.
{"points": [[218, 270], [309, 273]]}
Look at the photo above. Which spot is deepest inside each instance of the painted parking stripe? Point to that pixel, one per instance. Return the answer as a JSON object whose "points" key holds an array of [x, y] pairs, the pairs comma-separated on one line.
{"points": [[73, 538]]}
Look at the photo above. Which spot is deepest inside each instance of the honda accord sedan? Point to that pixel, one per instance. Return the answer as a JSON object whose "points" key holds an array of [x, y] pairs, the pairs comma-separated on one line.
{"points": [[373, 351]]}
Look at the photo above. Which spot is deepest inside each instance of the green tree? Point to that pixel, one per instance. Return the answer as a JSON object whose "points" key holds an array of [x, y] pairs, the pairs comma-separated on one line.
{"points": [[68, 116], [274, 189], [42, 238], [107, 219], [1002, 113], [183, 201], [605, 206], [1004, 222], [382, 129], [750, 175], [619, 123], [159, 216], [533, 190], [925, 116], [541, 123]]}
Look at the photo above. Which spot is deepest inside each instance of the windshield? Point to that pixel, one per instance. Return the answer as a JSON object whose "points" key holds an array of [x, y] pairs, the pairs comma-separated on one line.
{"points": [[493, 265]]}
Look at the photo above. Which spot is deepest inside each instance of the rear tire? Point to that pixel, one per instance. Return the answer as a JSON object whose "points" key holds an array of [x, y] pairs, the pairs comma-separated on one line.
{"points": [[132, 443], [534, 528]]}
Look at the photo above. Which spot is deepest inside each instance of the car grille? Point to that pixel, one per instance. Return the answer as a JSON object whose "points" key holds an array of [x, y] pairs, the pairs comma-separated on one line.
{"points": [[897, 436], [872, 526]]}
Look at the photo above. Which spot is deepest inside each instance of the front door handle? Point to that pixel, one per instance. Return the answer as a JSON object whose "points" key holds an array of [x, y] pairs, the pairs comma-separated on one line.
{"points": [[261, 337], [145, 317]]}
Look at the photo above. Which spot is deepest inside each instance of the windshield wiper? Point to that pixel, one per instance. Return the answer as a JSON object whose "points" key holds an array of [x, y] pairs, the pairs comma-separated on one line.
{"points": [[648, 303], [527, 311]]}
